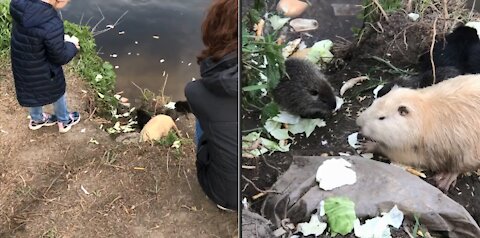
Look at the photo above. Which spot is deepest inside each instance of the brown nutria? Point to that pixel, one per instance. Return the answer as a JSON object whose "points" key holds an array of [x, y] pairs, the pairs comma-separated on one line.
{"points": [[305, 91], [436, 128]]}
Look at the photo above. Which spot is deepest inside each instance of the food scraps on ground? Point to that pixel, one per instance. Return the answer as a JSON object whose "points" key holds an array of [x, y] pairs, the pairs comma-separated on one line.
{"points": [[334, 173], [291, 8], [351, 82], [302, 24]]}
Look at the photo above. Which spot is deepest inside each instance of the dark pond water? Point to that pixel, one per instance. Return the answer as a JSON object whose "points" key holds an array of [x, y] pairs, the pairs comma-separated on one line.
{"points": [[152, 30]]}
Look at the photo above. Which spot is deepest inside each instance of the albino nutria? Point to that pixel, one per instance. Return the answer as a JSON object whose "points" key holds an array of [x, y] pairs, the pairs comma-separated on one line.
{"points": [[305, 90], [436, 128], [157, 127]]}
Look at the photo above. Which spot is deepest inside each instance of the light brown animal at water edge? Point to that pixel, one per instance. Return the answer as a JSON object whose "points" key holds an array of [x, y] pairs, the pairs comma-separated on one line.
{"points": [[436, 128], [158, 127]]}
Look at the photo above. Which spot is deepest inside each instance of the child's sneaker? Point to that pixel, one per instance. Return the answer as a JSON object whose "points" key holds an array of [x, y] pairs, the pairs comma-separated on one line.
{"points": [[74, 119], [48, 120]]}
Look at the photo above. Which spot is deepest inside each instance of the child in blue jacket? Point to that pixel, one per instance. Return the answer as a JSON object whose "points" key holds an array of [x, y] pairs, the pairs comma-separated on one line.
{"points": [[38, 51]]}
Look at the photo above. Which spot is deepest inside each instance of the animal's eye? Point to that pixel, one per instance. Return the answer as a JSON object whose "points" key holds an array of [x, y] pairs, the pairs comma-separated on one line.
{"points": [[381, 118], [403, 110], [313, 92]]}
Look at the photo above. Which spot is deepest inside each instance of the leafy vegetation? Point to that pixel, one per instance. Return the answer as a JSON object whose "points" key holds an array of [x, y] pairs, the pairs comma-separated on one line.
{"points": [[372, 11], [5, 27], [97, 72], [262, 62]]}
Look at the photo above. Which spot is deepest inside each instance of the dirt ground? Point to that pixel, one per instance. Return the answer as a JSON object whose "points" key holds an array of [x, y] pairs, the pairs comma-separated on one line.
{"points": [[400, 44], [60, 185]]}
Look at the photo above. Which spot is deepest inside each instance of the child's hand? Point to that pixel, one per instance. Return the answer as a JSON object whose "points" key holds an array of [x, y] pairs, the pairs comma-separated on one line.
{"points": [[67, 38], [73, 39]]}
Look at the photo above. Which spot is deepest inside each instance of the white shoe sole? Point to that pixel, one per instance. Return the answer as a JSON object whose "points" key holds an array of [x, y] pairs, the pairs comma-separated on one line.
{"points": [[62, 129]]}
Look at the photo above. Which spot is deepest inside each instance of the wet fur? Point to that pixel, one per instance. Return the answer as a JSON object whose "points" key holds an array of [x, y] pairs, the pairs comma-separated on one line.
{"points": [[181, 108], [142, 118], [157, 128], [305, 91], [440, 131], [457, 54]]}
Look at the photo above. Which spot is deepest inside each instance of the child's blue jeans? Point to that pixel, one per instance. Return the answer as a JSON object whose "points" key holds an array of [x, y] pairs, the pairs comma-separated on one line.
{"points": [[60, 107], [198, 132]]}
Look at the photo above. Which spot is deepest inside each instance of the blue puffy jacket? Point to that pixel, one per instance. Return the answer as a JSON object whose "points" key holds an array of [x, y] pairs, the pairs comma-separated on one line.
{"points": [[38, 51]]}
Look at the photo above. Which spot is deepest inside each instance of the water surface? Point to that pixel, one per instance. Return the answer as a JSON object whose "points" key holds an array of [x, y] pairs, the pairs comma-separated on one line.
{"points": [[177, 25]]}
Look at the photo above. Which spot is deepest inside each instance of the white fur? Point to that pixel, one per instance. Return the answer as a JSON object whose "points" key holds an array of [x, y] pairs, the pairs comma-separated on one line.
{"points": [[157, 127], [441, 132]]}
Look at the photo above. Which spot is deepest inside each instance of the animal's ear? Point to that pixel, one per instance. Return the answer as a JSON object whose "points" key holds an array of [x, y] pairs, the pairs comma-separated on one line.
{"points": [[403, 110]]}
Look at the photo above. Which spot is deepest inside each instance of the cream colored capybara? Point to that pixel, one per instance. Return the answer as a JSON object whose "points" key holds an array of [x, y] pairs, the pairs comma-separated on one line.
{"points": [[157, 127], [436, 128]]}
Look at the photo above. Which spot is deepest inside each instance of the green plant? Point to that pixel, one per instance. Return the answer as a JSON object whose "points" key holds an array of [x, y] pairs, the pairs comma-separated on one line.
{"points": [[97, 72], [168, 139], [5, 28], [50, 233], [372, 11], [262, 61]]}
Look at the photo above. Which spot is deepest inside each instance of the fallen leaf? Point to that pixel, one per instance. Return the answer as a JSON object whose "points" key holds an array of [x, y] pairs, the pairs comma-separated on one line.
{"points": [[351, 82], [278, 22], [93, 141], [313, 227], [320, 52]]}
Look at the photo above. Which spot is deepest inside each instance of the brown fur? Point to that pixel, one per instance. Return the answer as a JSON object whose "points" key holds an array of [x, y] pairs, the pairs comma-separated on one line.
{"points": [[157, 127], [440, 132]]}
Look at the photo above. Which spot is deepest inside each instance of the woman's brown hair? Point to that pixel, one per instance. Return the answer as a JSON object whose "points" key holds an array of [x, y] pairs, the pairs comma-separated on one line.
{"points": [[220, 30]]}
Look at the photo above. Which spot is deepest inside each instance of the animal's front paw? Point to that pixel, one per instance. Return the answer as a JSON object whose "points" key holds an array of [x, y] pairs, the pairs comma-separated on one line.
{"points": [[445, 181], [368, 146]]}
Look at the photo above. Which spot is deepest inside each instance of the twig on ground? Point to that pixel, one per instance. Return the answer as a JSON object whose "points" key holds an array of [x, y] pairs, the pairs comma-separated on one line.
{"points": [[168, 158], [51, 184], [408, 7], [445, 15], [471, 10], [91, 114], [188, 182], [390, 65], [431, 48], [114, 200], [271, 166], [256, 188], [23, 180], [379, 6]]}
